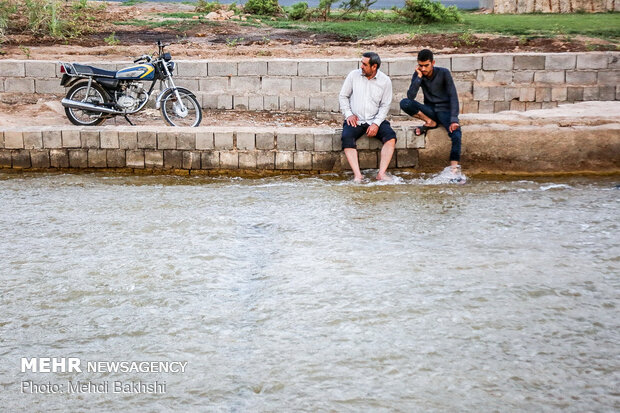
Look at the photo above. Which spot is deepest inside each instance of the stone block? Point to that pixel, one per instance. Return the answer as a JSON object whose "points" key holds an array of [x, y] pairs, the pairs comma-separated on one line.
{"points": [[59, 158], [135, 159], [481, 93], [153, 159], [5, 159], [368, 159], [240, 102], [316, 104], [33, 140], [92, 158], [109, 139], [613, 61], [466, 63], [497, 93], [166, 140], [146, 139], [415, 141], [71, 139], [246, 141], [560, 61], [255, 102], [287, 103], [470, 107], [543, 94], [173, 159], [498, 62], [245, 84], [20, 159], [512, 93], [19, 85], [441, 62], [574, 94], [285, 160], [225, 102], [592, 61], [116, 158], [332, 104], [523, 76], [52, 139], [344, 163], [400, 67], [48, 86], [607, 92], [549, 77], [213, 84], [549, 105], [192, 69], [302, 103], [90, 139], [609, 77], [223, 141], [276, 84], [517, 105], [527, 94], [210, 160], [590, 93], [302, 160], [406, 158], [362, 143], [533, 105], [247, 160], [341, 68], [311, 68], [40, 158], [326, 161], [265, 159], [401, 137], [186, 140], [252, 68], [265, 140], [581, 77], [503, 76], [304, 142], [282, 68], [271, 102], [286, 141], [204, 140], [12, 68], [501, 106], [13, 140], [558, 94], [485, 76], [209, 101], [222, 68], [323, 142], [331, 84], [1, 140], [306, 84], [486, 107], [529, 62], [229, 160], [191, 160], [191, 84]]}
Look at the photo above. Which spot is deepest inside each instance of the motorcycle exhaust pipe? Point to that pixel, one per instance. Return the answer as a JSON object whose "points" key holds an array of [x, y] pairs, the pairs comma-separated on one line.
{"points": [[74, 104]]}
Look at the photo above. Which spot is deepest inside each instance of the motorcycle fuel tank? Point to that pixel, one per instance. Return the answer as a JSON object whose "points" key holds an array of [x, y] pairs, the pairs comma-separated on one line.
{"points": [[139, 72]]}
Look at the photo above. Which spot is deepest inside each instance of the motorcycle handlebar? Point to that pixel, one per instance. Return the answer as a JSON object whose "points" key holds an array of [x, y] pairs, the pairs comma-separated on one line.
{"points": [[143, 57]]}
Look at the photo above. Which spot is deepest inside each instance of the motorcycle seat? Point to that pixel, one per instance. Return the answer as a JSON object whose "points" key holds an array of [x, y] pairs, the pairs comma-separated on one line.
{"points": [[84, 70]]}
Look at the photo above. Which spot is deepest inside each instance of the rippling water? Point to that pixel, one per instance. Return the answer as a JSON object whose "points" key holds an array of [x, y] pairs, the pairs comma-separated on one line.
{"points": [[315, 294]]}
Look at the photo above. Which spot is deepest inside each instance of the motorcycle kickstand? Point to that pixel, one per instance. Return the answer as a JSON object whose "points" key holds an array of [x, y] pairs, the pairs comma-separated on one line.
{"points": [[128, 121]]}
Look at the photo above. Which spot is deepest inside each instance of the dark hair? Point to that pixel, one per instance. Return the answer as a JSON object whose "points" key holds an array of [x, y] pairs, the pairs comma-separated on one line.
{"points": [[374, 59], [425, 55]]}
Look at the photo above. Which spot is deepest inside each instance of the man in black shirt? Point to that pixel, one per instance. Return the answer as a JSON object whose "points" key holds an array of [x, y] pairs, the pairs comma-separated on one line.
{"points": [[441, 102]]}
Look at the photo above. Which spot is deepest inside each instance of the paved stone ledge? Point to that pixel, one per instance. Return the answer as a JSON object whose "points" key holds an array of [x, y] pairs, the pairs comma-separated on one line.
{"points": [[487, 83]]}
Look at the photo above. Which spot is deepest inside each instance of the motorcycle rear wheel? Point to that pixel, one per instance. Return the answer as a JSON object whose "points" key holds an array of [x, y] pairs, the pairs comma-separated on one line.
{"points": [[96, 96], [174, 116]]}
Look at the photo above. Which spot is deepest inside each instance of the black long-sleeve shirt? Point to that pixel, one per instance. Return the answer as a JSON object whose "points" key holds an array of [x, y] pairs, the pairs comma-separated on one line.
{"points": [[439, 91]]}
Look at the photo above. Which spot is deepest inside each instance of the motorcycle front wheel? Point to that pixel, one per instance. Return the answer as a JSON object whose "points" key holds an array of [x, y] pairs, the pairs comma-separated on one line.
{"points": [[96, 96], [189, 113]]}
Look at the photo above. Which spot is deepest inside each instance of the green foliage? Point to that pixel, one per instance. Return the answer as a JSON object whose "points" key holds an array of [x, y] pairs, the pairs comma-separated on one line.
{"points": [[262, 7], [112, 40], [207, 6], [325, 8], [356, 6], [427, 11], [297, 11], [7, 9]]}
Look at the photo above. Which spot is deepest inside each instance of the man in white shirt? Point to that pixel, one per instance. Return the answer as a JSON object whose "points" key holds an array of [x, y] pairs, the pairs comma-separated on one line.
{"points": [[365, 100]]}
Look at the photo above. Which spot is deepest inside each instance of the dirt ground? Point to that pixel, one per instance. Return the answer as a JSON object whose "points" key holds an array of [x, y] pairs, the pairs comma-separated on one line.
{"points": [[230, 39]]}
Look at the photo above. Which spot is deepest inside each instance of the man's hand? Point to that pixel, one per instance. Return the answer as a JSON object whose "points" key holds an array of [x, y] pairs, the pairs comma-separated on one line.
{"points": [[418, 71], [372, 130], [453, 126], [352, 121]]}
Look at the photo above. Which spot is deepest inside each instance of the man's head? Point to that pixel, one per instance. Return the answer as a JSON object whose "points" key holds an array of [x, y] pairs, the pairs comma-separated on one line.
{"points": [[371, 62], [426, 62]]}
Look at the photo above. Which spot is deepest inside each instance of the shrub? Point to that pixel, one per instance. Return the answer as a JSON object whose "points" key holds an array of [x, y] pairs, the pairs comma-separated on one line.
{"points": [[7, 9], [207, 6], [262, 7], [427, 11], [359, 6], [298, 11]]}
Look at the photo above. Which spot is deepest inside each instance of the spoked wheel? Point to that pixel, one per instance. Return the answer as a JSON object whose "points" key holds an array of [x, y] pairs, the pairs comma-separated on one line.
{"points": [[96, 96], [186, 112]]}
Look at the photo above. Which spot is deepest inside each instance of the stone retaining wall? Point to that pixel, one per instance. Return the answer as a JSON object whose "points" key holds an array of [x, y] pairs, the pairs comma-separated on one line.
{"points": [[551, 6], [486, 83]]}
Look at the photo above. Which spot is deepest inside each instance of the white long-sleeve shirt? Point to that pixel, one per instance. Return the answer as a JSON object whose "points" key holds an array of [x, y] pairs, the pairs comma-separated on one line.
{"points": [[368, 99]]}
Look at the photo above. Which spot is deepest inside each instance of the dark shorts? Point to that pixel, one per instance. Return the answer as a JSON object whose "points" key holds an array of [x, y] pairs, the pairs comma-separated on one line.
{"points": [[351, 134]]}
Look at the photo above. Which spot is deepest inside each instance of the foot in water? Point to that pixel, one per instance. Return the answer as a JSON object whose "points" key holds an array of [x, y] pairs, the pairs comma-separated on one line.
{"points": [[384, 177], [456, 176]]}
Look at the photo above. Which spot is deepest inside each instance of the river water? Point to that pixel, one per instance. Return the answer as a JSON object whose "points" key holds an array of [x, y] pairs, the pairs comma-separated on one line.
{"points": [[313, 294]]}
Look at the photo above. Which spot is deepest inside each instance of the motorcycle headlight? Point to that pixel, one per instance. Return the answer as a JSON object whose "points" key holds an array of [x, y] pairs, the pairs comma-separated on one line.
{"points": [[170, 67]]}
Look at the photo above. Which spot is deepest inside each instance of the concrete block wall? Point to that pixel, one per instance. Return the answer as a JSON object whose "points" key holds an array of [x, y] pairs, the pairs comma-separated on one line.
{"points": [[551, 6], [193, 149], [486, 83]]}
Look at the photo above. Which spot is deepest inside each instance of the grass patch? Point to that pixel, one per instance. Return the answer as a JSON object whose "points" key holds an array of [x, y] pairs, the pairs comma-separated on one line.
{"points": [[172, 24]]}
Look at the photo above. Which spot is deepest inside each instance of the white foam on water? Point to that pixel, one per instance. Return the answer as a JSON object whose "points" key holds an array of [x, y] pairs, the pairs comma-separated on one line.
{"points": [[446, 176], [555, 186]]}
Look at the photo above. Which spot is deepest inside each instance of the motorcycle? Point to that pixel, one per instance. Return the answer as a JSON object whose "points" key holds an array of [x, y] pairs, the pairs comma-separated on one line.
{"points": [[96, 94]]}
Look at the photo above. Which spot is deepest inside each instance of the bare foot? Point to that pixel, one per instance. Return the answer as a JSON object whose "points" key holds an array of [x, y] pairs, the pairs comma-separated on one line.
{"points": [[358, 179], [384, 177]]}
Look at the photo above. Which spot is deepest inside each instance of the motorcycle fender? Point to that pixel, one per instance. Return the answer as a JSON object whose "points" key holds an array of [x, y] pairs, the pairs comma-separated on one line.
{"points": [[68, 81], [180, 89]]}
